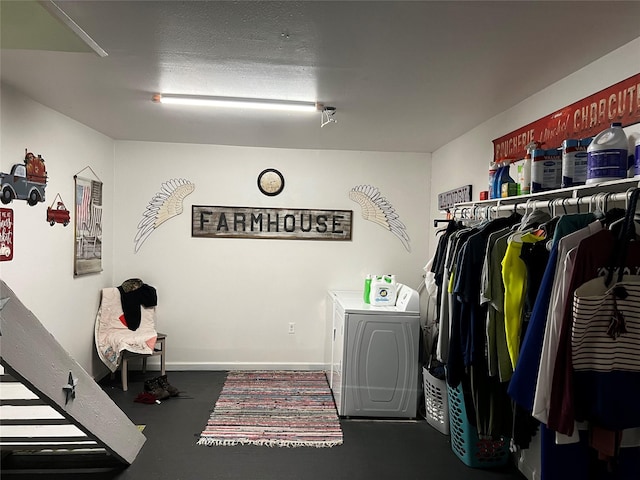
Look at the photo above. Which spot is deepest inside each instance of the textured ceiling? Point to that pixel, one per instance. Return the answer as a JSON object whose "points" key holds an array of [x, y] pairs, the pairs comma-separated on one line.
{"points": [[404, 76]]}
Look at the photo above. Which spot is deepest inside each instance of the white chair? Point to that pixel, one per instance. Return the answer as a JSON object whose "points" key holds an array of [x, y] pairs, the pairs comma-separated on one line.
{"points": [[117, 345], [158, 350]]}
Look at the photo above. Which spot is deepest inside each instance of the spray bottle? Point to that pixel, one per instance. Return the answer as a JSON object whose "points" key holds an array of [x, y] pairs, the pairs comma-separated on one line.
{"points": [[497, 185], [502, 177], [524, 170]]}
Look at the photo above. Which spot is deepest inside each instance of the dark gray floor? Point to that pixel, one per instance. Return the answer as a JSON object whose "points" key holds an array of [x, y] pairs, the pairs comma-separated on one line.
{"points": [[371, 449]]}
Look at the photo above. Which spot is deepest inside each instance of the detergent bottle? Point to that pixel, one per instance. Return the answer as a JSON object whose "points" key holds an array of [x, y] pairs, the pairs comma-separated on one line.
{"points": [[493, 170], [607, 155], [367, 289], [384, 290], [524, 172], [634, 151], [502, 176]]}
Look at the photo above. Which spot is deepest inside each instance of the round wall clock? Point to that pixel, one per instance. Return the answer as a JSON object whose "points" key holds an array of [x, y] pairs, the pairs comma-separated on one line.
{"points": [[270, 182]]}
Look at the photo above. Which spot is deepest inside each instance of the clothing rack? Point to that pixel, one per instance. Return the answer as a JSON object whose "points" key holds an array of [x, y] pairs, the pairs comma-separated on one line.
{"points": [[583, 196], [469, 313], [437, 221]]}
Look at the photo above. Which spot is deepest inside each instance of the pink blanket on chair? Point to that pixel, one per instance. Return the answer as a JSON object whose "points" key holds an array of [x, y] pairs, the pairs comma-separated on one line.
{"points": [[112, 335]]}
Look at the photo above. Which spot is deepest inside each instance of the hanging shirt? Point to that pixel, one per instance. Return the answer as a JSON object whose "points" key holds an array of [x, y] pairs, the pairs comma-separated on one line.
{"points": [[514, 274], [593, 258], [437, 267], [431, 313], [535, 257], [566, 252], [522, 387], [454, 245], [499, 363], [466, 344]]}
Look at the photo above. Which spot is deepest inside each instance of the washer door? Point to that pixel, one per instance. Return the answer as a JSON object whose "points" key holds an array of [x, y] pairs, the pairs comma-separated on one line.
{"points": [[381, 367]]}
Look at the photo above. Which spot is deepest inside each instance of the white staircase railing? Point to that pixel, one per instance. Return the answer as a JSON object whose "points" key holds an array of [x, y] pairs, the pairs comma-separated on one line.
{"points": [[50, 401]]}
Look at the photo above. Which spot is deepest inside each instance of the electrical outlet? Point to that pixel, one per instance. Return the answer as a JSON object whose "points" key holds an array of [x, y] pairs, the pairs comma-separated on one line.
{"points": [[292, 328]]}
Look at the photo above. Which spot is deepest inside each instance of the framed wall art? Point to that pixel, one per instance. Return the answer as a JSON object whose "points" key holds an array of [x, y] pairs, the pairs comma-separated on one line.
{"points": [[6, 234], [88, 226]]}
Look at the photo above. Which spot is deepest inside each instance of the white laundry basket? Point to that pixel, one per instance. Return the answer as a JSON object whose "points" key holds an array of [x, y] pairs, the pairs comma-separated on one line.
{"points": [[436, 402]]}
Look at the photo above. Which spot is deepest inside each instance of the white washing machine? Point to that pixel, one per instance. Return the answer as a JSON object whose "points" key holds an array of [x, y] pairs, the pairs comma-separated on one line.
{"points": [[374, 355]]}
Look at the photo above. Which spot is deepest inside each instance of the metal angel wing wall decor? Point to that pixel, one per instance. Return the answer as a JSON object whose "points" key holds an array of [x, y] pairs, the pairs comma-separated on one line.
{"points": [[377, 209], [165, 204]]}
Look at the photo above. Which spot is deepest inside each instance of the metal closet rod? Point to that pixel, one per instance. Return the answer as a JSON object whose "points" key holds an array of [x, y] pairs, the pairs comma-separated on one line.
{"points": [[597, 200]]}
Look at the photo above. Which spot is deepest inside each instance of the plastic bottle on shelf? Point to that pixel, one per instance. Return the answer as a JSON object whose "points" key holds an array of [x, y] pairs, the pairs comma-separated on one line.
{"points": [[524, 171], [502, 177], [637, 161], [493, 170], [581, 166], [497, 185], [634, 151], [607, 156]]}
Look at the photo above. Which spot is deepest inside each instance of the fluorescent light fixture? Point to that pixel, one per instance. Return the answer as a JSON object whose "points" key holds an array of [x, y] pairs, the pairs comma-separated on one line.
{"points": [[235, 102]]}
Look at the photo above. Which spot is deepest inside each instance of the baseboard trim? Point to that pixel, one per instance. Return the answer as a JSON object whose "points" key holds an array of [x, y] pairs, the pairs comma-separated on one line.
{"points": [[215, 366]]}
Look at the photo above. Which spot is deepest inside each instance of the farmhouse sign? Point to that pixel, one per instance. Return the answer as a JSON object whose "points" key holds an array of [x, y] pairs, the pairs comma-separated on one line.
{"points": [[281, 223]]}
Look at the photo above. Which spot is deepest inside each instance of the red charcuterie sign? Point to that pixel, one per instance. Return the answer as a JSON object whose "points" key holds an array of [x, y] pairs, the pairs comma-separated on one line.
{"points": [[585, 118], [6, 234]]}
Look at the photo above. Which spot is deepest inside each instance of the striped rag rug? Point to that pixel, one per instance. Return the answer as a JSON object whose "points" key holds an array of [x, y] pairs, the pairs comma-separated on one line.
{"points": [[274, 408]]}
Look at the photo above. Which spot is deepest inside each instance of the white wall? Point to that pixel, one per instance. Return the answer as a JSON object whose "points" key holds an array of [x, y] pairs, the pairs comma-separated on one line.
{"points": [[41, 272], [227, 303], [466, 160], [223, 302]]}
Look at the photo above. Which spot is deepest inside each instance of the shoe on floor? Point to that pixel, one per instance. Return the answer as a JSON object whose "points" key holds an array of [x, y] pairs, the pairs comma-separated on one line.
{"points": [[164, 383], [154, 387]]}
